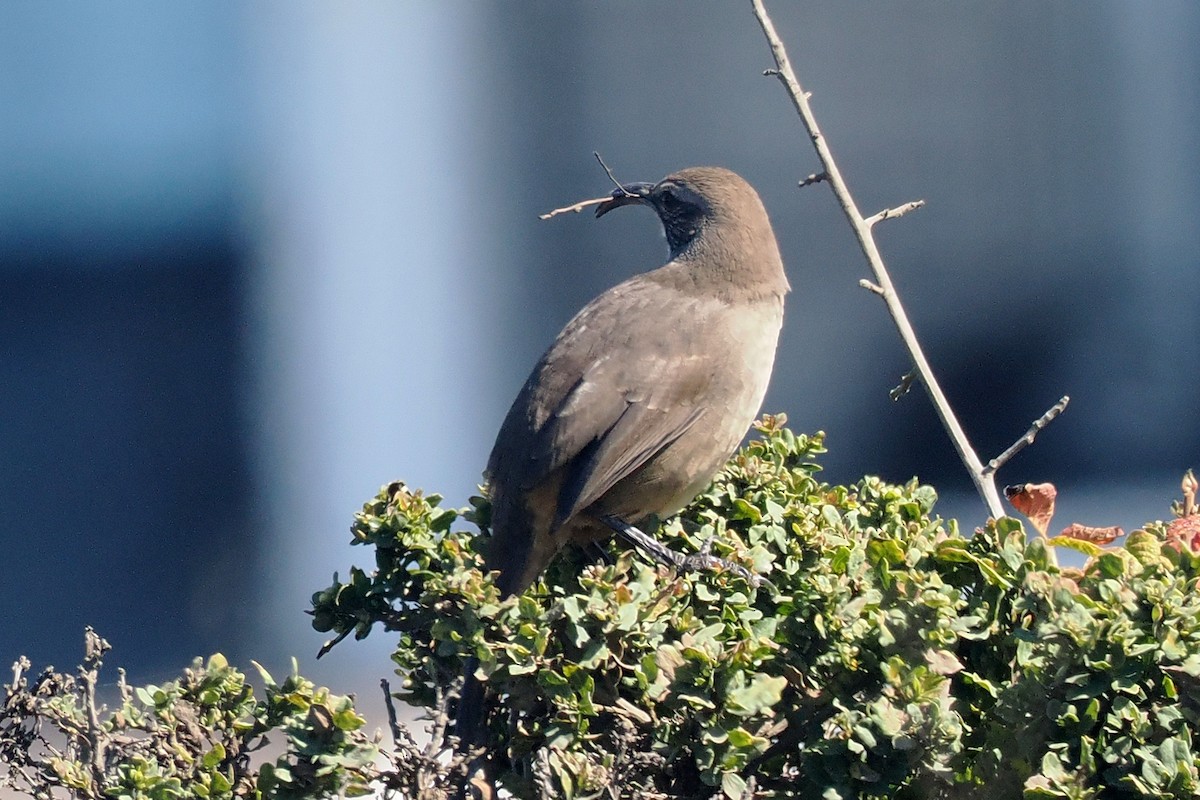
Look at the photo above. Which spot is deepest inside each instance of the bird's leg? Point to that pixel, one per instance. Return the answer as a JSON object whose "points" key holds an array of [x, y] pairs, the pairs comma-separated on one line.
{"points": [[668, 557], [597, 552]]}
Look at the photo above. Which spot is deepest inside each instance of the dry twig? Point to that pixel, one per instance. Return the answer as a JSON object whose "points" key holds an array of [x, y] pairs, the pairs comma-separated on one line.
{"points": [[893, 213], [89, 671], [595, 201], [1031, 434], [576, 208]]}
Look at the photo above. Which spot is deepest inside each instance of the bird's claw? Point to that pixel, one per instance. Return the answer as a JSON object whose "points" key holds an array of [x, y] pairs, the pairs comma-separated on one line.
{"points": [[703, 560]]}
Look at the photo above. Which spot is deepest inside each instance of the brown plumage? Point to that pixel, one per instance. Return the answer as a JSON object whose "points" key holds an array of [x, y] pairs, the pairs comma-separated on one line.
{"points": [[650, 388]]}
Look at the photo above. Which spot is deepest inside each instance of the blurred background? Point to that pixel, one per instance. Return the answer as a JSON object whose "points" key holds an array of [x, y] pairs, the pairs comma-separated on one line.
{"points": [[258, 259]]}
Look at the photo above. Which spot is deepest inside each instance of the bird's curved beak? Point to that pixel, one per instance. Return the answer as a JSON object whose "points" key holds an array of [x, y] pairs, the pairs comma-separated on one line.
{"points": [[628, 194]]}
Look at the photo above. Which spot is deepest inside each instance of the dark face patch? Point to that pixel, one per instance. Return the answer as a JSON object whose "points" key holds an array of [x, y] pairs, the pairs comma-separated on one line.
{"points": [[680, 210]]}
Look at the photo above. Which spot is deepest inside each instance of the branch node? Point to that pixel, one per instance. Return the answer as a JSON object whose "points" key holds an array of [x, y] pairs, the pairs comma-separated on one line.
{"points": [[893, 213], [874, 288], [906, 382], [816, 177]]}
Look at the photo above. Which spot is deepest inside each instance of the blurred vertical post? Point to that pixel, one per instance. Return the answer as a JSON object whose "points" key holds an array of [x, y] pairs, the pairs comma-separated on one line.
{"points": [[368, 283]]}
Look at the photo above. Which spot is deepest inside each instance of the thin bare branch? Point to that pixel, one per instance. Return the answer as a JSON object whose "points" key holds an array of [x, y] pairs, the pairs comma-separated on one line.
{"points": [[440, 720], [894, 213], [398, 733], [89, 671], [608, 172], [1031, 434], [582, 204], [575, 209], [816, 177], [984, 481], [874, 288]]}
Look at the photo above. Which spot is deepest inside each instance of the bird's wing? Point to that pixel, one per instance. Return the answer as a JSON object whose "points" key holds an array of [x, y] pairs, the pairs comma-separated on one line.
{"points": [[603, 400], [639, 434], [624, 409]]}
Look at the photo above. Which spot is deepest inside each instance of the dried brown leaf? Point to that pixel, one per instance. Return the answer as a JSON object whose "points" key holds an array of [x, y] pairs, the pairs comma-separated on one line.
{"points": [[1087, 533], [1034, 500]]}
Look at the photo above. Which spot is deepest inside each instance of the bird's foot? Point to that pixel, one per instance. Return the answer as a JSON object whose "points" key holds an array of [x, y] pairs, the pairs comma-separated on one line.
{"points": [[688, 562]]}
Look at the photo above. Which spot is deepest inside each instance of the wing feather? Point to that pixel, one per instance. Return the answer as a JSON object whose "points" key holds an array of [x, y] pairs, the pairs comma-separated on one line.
{"points": [[601, 402]]}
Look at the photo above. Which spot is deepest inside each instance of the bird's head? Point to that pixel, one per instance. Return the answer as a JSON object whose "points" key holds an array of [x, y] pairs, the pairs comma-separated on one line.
{"points": [[694, 199]]}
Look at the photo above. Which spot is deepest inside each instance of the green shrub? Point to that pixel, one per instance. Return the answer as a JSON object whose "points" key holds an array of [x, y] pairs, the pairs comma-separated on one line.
{"points": [[888, 656], [190, 738]]}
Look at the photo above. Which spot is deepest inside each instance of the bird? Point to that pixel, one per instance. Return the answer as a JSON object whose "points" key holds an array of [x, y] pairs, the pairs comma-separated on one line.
{"points": [[650, 388], [640, 400]]}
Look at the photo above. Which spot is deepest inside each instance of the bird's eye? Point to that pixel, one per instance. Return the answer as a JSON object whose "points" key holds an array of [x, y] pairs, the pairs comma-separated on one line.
{"points": [[669, 200]]}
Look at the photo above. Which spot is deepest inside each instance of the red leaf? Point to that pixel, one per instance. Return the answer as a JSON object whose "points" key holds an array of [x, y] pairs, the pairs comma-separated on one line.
{"points": [[1185, 532], [1034, 500]]}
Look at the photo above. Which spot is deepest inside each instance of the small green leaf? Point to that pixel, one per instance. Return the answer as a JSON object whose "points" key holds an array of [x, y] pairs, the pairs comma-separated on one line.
{"points": [[214, 756], [762, 692], [733, 786]]}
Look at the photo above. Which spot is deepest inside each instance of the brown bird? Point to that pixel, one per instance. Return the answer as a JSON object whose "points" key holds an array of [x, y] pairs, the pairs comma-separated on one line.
{"points": [[650, 388], [641, 399]]}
